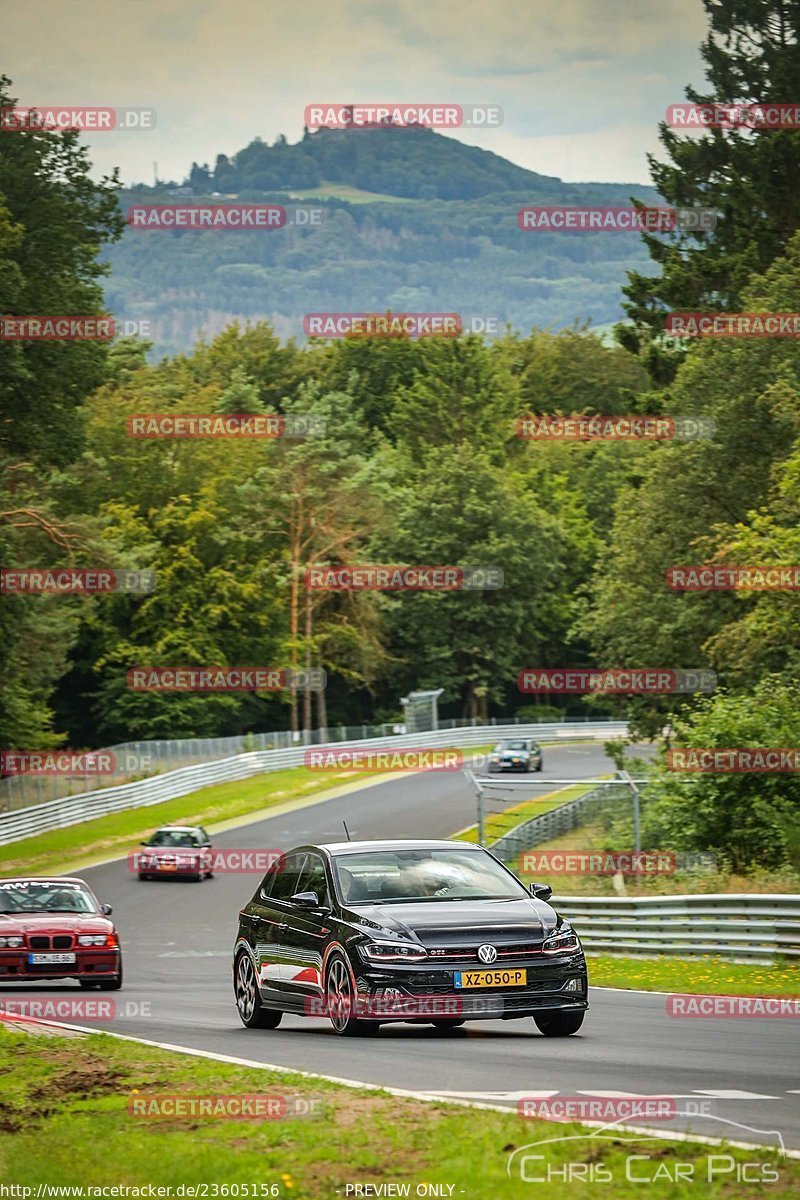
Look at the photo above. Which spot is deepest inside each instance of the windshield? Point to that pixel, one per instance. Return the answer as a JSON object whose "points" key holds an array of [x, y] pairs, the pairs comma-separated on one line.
{"points": [[32, 896], [514, 745], [394, 876], [174, 837]]}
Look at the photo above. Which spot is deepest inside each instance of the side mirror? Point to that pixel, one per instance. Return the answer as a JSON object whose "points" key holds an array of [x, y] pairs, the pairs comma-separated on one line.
{"points": [[142, 843], [107, 909], [541, 891], [306, 900]]}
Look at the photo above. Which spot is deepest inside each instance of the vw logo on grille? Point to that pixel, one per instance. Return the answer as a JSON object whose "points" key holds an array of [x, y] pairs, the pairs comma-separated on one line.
{"points": [[487, 954]]}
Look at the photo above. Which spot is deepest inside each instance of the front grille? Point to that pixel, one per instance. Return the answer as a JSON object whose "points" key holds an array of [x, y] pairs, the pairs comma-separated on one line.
{"points": [[39, 943], [516, 950], [62, 942]]}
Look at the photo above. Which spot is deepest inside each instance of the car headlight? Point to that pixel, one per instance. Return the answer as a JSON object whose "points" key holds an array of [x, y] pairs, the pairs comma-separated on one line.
{"points": [[564, 942], [11, 942], [92, 939], [393, 952]]}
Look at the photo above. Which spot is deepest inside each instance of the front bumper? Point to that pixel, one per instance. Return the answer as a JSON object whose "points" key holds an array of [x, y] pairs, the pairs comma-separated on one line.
{"points": [[90, 963], [180, 870], [427, 992]]}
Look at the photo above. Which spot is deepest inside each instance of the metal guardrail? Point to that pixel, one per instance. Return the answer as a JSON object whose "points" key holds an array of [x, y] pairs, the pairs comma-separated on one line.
{"points": [[554, 823], [750, 927], [72, 810], [137, 760]]}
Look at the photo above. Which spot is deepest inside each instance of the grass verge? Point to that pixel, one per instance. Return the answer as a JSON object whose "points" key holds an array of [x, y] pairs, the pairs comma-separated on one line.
{"points": [[706, 975], [496, 824], [77, 846], [70, 1094]]}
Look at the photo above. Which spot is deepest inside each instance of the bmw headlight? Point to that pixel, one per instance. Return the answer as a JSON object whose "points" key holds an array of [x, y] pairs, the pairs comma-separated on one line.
{"points": [[393, 952], [92, 939], [11, 942], [564, 942]]}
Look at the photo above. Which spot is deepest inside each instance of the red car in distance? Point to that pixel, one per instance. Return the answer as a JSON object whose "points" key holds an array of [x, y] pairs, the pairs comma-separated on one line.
{"points": [[56, 928], [176, 851]]}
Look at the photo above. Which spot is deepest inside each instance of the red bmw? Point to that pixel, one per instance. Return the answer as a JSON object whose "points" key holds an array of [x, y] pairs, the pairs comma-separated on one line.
{"points": [[56, 928]]}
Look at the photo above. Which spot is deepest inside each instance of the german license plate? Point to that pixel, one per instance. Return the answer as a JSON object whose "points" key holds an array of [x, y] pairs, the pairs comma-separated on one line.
{"points": [[165, 866], [37, 960], [497, 978]]}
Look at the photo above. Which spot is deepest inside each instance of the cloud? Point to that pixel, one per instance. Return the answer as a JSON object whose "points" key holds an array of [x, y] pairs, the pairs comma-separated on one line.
{"points": [[582, 83]]}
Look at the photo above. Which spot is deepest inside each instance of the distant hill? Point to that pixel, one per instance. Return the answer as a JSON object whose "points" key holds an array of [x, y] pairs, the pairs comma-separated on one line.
{"points": [[415, 163], [412, 220]]}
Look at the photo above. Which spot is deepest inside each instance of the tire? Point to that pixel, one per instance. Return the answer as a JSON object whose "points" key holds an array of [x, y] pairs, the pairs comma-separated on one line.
{"points": [[114, 983], [341, 1001], [252, 1013], [559, 1024], [87, 983], [539, 767], [142, 876], [446, 1023]]}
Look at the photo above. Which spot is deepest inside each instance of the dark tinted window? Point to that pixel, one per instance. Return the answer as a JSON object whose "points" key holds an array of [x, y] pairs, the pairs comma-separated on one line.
{"points": [[287, 881], [314, 879]]}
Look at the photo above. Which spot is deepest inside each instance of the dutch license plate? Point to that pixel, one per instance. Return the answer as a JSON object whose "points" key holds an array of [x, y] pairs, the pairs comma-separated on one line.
{"points": [[39, 959], [497, 978]]}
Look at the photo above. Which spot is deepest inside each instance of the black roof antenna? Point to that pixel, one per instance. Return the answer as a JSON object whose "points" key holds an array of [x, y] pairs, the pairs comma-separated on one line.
{"points": [[347, 831]]}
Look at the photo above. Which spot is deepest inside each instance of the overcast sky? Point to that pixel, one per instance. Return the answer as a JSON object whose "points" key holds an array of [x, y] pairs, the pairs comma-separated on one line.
{"points": [[582, 83]]}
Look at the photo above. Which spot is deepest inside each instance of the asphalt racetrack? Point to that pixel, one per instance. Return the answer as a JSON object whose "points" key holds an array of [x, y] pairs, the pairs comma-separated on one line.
{"points": [[177, 939]]}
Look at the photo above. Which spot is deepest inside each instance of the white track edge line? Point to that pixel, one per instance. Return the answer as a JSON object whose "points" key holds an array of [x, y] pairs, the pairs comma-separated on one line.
{"points": [[407, 1093]]}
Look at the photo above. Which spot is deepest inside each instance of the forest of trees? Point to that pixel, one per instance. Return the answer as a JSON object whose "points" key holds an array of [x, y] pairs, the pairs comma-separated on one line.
{"points": [[419, 463]]}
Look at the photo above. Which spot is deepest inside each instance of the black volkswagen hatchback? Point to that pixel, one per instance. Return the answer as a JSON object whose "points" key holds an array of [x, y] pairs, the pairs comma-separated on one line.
{"points": [[421, 931]]}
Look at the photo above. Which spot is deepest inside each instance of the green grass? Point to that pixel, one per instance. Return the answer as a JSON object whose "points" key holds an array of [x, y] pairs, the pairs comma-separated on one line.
{"points": [[497, 824], [65, 1121], [117, 832], [706, 975], [63, 850]]}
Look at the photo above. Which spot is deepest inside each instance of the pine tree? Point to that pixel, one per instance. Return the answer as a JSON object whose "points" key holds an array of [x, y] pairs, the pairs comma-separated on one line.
{"points": [[749, 177]]}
